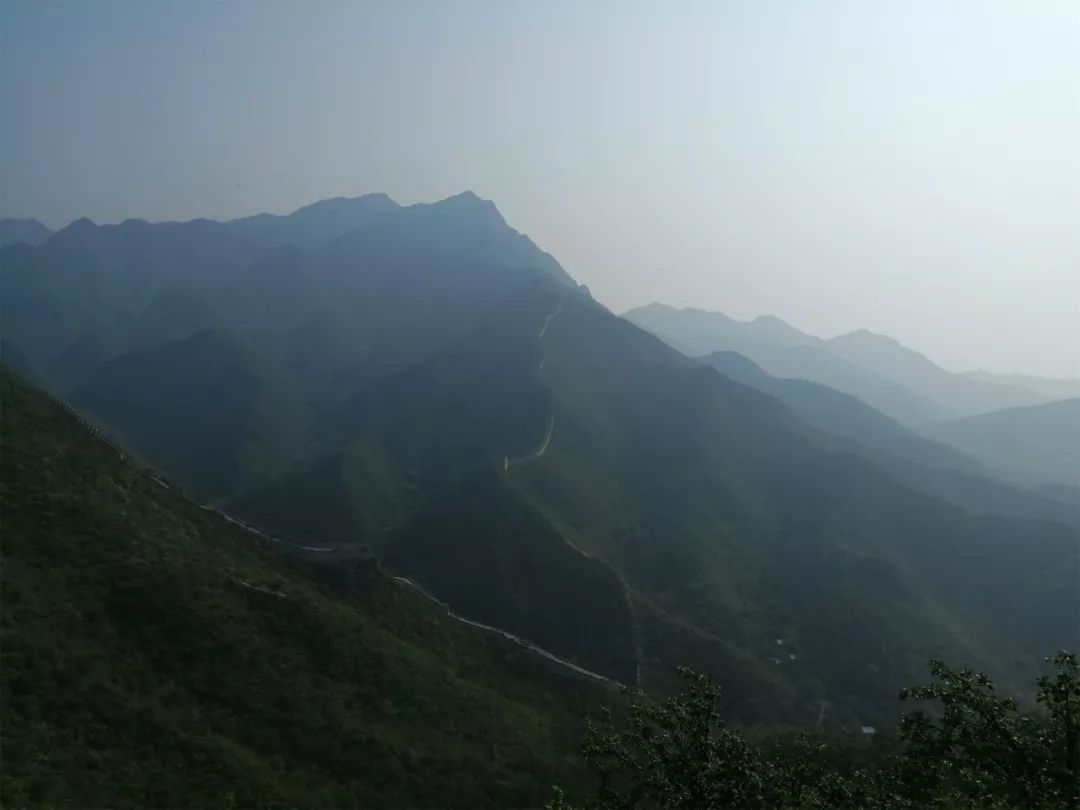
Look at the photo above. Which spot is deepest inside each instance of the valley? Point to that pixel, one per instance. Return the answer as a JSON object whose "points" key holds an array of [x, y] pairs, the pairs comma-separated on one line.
{"points": [[543, 467]]}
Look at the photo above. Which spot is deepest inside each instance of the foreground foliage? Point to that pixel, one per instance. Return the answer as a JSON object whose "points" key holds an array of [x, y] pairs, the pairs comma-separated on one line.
{"points": [[972, 748]]}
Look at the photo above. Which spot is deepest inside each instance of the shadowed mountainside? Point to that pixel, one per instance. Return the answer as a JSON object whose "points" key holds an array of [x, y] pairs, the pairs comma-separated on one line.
{"points": [[153, 650], [374, 389], [29, 231]]}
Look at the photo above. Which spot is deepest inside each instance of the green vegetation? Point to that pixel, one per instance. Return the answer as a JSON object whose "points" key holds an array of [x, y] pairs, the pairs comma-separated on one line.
{"points": [[364, 381], [974, 749], [156, 655], [736, 528]]}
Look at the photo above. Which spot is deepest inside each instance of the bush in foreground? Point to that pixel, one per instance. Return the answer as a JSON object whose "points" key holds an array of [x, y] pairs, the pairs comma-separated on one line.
{"points": [[972, 748]]}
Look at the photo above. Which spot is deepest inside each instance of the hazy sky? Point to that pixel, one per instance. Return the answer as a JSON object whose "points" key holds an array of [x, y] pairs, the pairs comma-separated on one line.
{"points": [[908, 167]]}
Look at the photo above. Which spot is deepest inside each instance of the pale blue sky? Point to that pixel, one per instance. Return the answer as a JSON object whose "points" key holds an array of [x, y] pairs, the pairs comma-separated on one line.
{"points": [[909, 167]]}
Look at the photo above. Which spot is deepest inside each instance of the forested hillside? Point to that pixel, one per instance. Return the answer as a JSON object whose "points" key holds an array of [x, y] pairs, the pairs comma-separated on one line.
{"points": [[157, 655], [430, 384]]}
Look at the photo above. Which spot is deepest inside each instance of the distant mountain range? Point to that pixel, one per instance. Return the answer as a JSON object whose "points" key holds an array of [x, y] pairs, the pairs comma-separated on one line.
{"points": [[29, 231], [1035, 445], [874, 368], [427, 382], [842, 416]]}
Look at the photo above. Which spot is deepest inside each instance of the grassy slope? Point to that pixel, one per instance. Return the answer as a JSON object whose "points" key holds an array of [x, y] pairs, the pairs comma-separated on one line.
{"points": [[155, 655]]}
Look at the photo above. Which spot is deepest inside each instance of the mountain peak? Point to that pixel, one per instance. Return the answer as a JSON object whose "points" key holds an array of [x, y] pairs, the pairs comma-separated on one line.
{"points": [[775, 329], [467, 204], [81, 228], [867, 337], [466, 199]]}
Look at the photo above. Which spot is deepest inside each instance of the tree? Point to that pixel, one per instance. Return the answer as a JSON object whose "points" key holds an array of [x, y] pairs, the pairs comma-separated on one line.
{"points": [[976, 749], [981, 750], [679, 754]]}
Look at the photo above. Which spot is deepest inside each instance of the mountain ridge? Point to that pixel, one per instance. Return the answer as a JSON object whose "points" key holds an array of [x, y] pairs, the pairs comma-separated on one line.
{"points": [[28, 230], [1032, 445], [681, 516], [924, 394]]}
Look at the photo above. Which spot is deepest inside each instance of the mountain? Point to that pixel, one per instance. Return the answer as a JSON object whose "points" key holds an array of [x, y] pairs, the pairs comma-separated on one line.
{"points": [[156, 653], [29, 231], [1036, 445], [94, 292], [881, 372], [841, 416], [783, 351], [1052, 389], [961, 393], [727, 522], [720, 509], [447, 396], [228, 420], [934, 468], [81, 297], [314, 225]]}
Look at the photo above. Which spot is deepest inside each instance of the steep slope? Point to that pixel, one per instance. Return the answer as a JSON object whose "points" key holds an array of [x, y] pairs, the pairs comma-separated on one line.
{"points": [[553, 470], [719, 509], [1039, 444], [202, 408], [156, 654], [30, 231], [840, 415], [725, 522], [418, 479], [92, 293]]}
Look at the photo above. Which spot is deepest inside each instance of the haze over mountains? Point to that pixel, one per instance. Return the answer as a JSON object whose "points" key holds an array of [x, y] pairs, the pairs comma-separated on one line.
{"points": [[1034, 445], [875, 368], [328, 483], [426, 382], [22, 230]]}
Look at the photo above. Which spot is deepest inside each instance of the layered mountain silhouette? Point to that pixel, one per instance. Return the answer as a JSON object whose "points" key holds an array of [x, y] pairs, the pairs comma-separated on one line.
{"points": [[30, 231], [1035, 445], [881, 372], [842, 416], [938, 468], [425, 381], [1052, 389]]}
